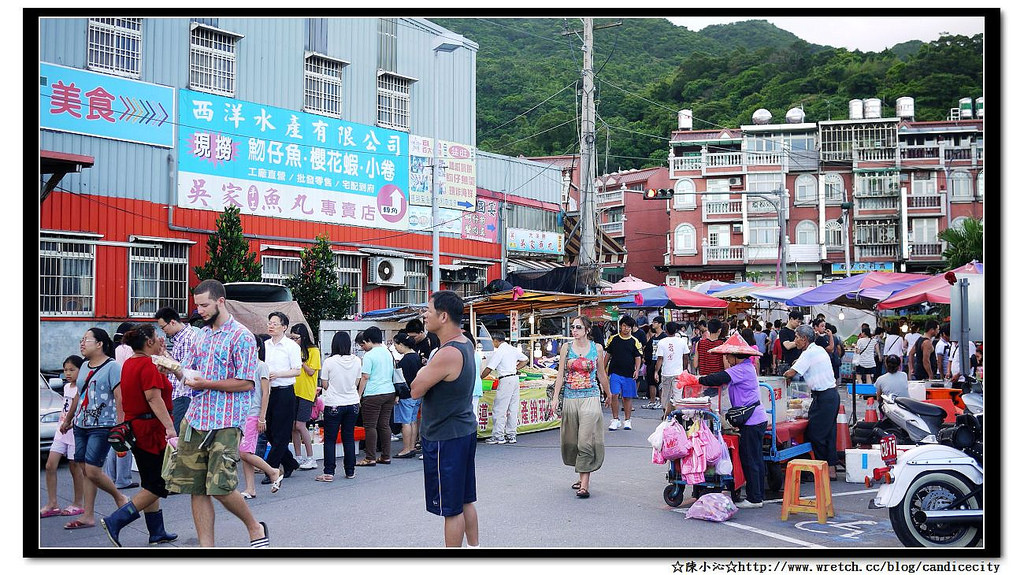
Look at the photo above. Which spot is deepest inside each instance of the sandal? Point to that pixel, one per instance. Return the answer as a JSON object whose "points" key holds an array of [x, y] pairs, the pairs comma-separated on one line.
{"points": [[384, 461], [247, 495], [576, 486], [366, 463], [276, 484], [262, 541], [72, 510], [407, 455], [582, 493], [325, 477], [76, 524]]}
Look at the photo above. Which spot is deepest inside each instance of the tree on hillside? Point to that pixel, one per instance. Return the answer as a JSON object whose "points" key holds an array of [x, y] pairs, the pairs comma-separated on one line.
{"points": [[316, 288], [228, 250], [964, 244]]}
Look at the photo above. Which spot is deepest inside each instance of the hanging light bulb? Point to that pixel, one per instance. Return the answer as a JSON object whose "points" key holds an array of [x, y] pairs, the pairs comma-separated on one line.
{"points": [[904, 328], [842, 316]]}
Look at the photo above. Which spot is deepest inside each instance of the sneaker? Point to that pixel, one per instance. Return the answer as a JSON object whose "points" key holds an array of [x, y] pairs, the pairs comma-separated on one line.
{"points": [[510, 441], [308, 463], [748, 505], [626, 425], [615, 425], [495, 441], [650, 405], [657, 405], [396, 437]]}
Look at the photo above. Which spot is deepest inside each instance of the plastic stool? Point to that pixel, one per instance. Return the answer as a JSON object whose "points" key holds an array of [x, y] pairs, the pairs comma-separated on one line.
{"points": [[822, 503]]}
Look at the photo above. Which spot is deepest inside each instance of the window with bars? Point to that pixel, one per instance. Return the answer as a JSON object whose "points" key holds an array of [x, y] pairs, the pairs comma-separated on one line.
{"points": [[875, 184], [876, 232], [157, 278], [763, 232], [323, 86], [833, 234], [350, 273], [212, 61], [276, 269], [806, 188], [115, 46], [415, 290], [67, 271], [718, 235], [393, 101]]}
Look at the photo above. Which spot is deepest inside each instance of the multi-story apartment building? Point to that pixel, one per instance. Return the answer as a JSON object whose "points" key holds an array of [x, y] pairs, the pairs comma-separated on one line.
{"points": [[150, 127], [903, 182], [637, 224]]}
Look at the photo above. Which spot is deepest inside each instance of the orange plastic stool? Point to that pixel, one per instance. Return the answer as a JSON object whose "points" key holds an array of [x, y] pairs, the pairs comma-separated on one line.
{"points": [[822, 503]]}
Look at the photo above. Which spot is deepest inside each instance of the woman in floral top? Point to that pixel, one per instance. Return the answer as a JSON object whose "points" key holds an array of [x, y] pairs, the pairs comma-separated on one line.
{"points": [[581, 371]]}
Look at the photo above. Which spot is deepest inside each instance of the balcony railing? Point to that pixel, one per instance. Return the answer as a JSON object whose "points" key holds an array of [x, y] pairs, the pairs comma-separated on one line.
{"points": [[738, 161], [933, 250], [765, 158], [721, 208], [929, 201], [881, 203], [726, 253], [957, 154], [725, 160], [613, 197], [760, 207], [612, 228], [875, 155], [919, 152], [683, 163], [878, 251]]}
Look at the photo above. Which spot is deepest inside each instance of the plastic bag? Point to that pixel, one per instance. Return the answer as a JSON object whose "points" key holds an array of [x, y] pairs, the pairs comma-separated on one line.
{"points": [[716, 507], [655, 438], [675, 445], [656, 457], [724, 465], [712, 445]]}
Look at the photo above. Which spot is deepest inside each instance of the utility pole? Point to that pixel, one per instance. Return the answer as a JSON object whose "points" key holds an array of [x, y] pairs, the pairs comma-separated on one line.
{"points": [[588, 216]]}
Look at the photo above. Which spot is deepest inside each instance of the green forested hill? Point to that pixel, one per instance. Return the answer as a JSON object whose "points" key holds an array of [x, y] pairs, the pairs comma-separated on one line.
{"points": [[648, 68]]}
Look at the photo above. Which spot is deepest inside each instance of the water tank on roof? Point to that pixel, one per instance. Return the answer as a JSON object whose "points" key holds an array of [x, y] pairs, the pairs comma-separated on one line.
{"points": [[979, 107], [905, 108], [762, 116], [856, 109], [872, 108], [685, 119], [794, 116], [966, 111]]}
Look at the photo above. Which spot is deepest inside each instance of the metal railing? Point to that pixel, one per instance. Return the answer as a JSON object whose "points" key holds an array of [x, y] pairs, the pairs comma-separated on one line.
{"points": [[612, 228], [929, 201], [878, 251], [878, 203], [926, 249], [616, 197]]}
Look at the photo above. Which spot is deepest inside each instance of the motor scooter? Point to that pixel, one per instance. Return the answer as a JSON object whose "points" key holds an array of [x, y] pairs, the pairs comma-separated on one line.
{"points": [[911, 421], [934, 493]]}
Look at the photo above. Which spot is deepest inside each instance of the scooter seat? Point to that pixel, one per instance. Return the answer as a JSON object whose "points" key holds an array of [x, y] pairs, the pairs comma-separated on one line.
{"points": [[921, 408]]}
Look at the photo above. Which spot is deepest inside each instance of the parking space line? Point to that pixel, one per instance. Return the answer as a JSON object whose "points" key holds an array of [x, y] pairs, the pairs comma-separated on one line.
{"points": [[774, 535], [812, 497]]}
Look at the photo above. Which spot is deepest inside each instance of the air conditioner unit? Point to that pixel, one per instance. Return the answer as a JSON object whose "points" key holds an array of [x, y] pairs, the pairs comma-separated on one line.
{"points": [[735, 182], [672, 281], [737, 228], [462, 274], [387, 271], [473, 274]]}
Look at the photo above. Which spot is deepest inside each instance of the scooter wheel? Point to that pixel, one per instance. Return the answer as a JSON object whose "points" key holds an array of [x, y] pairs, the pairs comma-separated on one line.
{"points": [[933, 491]]}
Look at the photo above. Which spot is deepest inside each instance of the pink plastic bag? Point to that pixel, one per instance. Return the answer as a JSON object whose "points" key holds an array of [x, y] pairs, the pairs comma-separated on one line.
{"points": [[712, 446], [716, 507], [674, 444], [657, 458]]}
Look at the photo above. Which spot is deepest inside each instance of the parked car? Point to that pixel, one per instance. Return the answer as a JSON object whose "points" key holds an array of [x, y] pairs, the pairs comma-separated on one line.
{"points": [[51, 404]]}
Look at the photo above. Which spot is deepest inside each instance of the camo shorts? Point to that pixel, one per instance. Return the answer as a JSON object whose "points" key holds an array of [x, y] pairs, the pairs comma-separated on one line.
{"points": [[205, 463]]}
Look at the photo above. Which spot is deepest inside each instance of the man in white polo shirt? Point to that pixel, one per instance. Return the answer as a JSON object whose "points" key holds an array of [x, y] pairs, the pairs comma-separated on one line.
{"points": [[815, 365], [506, 361], [284, 359]]}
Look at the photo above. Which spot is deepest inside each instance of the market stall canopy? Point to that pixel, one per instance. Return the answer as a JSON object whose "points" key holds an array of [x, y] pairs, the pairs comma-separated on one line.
{"points": [[779, 294], [506, 301], [934, 290], [664, 296], [727, 287], [705, 286], [626, 285], [739, 291], [853, 287]]}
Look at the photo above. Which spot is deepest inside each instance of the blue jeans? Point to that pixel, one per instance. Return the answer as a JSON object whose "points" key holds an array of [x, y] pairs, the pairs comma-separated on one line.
{"points": [[119, 469], [344, 417], [180, 406], [91, 445]]}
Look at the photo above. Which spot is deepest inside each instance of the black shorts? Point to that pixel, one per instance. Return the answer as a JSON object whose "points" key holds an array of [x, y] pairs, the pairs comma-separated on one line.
{"points": [[303, 409], [449, 474], [865, 370], [149, 465]]}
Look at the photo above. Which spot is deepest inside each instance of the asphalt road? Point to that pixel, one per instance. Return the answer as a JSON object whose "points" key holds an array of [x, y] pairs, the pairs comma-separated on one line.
{"points": [[524, 501]]}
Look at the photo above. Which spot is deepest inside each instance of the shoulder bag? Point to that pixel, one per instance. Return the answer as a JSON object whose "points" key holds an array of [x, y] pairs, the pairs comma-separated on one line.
{"points": [[401, 386], [738, 416], [121, 437]]}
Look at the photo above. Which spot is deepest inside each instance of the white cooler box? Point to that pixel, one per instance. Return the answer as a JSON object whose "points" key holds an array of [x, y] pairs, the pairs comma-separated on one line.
{"points": [[861, 463], [916, 390]]}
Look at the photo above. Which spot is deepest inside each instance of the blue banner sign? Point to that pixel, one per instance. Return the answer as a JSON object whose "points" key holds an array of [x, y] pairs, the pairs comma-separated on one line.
{"points": [[863, 267], [82, 102], [276, 162]]}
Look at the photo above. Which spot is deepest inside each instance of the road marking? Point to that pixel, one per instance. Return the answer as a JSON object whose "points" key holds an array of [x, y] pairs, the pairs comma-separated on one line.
{"points": [[773, 535], [851, 527], [812, 497]]}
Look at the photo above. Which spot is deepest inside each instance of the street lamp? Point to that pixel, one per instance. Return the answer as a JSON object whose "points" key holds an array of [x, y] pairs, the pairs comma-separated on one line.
{"points": [[444, 43]]}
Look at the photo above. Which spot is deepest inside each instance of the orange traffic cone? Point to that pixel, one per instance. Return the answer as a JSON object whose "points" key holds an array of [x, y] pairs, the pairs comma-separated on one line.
{"points": [[842, 431], [870, 412]]}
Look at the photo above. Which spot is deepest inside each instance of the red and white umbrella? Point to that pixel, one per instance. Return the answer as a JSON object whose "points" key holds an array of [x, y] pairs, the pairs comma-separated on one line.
{"points": [[626, 285]]}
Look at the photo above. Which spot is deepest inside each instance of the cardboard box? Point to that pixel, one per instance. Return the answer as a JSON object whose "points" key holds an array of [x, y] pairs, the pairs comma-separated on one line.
{"points": [[861, 463]]}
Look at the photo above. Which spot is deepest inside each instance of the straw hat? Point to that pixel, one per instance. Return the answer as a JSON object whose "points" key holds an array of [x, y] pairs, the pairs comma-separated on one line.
{"points": [[736, 346]]}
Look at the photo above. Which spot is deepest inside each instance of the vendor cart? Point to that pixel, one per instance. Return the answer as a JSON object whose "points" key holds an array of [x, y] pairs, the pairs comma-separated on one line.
{"points": [[673, 493], [774, 457]]}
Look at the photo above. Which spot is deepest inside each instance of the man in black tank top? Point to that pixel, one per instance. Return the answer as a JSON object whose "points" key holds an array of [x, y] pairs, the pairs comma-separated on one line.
{"points": [[449, 427], [923, 362]]}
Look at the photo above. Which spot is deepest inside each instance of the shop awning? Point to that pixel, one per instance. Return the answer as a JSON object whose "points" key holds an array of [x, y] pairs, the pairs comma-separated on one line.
{"points": [[935, 290], [58, 165], [534, 265], [672, 297], [392, 254], [506, 301], [853, 288]]}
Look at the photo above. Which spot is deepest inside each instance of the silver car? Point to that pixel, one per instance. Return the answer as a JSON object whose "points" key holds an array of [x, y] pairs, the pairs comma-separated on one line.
{"points": [[51, 404]]}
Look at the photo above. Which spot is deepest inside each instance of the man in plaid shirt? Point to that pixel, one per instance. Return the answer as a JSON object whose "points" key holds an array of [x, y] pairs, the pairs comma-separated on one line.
{"points": [[180, 339], [221, 366]]}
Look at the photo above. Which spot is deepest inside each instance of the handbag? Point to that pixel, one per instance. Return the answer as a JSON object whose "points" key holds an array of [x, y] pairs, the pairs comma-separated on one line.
{"points": [[401, 386], [121, 437], [737, 416]]}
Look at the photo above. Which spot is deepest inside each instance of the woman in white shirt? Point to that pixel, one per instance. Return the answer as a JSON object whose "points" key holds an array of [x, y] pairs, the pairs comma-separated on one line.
{"points": [[895, 345], [865, 356], [340, 377]]}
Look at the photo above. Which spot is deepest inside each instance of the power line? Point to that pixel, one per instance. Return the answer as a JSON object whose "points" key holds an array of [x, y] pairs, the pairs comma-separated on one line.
{"points": [[569, 121], [520, 30], [632, 131], [492, 130]]}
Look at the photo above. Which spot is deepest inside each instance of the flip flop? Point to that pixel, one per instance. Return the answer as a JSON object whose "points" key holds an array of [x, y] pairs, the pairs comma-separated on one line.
{"points": [[262, 541], [582, 493], [324, 477], [76, 524], [72, 510], [247, 495], [276, 485], [384, 461], [50, 513], [576, 486], [366, 463]]}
